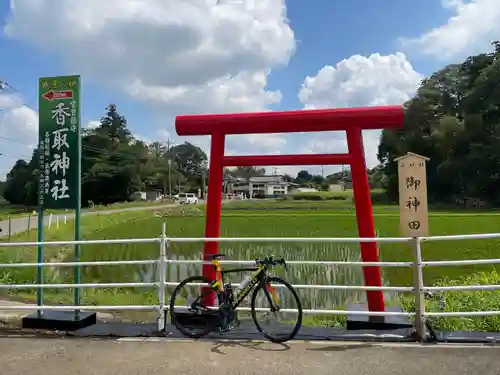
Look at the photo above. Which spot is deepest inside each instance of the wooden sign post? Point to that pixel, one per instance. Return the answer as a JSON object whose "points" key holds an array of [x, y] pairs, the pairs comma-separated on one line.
{"points": [[414, 222], [413, 206]]}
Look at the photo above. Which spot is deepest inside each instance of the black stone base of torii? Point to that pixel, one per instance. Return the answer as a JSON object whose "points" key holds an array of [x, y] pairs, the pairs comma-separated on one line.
{"points": [[59, 320], [376, 322]]}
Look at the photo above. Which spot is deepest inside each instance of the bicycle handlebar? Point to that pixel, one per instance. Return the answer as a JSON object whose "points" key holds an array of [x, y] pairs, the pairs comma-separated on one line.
{"points": [[270, 261]]}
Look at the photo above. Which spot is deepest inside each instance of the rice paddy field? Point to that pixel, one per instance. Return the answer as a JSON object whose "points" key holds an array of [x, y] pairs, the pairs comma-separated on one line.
{"points": [[274, 219]]}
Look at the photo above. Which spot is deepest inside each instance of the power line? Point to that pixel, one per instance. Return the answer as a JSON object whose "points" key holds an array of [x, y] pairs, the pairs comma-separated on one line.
{"points": [[106, 152], [14, 155], [84, 147], [4, 85], [14, 140], [88, 147]]}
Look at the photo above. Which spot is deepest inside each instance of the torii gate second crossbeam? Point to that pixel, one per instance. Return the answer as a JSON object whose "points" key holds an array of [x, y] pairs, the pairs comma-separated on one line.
{"points": [[350, 120]]}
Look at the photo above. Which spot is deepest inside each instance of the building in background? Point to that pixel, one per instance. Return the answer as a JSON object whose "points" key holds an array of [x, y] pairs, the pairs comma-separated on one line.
{"points": [[258, 187], [305, 190], [337, 188]]}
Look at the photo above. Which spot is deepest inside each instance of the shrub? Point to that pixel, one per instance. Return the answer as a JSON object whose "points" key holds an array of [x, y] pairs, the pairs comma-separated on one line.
{"points": [[380, 197], [318, 196], [459, 301]]}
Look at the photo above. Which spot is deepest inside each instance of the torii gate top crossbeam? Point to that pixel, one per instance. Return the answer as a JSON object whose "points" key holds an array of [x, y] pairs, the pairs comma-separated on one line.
{"points": [[316, 120]]}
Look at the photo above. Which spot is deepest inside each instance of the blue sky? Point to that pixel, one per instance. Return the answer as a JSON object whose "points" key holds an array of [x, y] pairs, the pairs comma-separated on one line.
{"points": [[44, 41], [334, 30]]}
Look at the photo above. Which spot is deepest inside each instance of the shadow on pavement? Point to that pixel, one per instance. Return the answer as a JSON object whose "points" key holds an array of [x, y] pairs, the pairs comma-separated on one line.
{"points": [[243, 332], [261, 346], [340, 348], [247, 333]]}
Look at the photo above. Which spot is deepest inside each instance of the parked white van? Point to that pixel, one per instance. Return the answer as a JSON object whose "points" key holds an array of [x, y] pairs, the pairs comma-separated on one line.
{"points": [[186, 198]]}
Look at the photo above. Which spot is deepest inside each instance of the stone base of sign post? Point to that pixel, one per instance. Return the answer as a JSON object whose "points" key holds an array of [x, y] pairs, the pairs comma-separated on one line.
{"points": [[59, 320], [366, 322]]}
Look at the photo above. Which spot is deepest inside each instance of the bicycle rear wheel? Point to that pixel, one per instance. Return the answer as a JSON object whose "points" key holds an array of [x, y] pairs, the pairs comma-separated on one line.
{"points": [[270, 298], [187, 311]]}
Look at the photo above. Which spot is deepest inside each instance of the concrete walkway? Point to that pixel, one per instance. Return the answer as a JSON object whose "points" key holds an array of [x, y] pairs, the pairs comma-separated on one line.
{"points": [[21, 356], [17, 315], [22, 224]]}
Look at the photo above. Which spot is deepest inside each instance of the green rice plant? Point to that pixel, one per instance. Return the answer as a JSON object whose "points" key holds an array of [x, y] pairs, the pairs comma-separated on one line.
{"points": [[301, 223]]}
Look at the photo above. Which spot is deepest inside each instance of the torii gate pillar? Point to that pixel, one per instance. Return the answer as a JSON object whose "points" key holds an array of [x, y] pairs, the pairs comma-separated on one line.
{"points": [[350, 120]]}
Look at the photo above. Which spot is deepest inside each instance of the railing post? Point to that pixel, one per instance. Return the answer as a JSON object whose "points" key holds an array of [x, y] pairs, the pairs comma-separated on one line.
{"points": [[418, 284], [10, 228], [162, 269]]}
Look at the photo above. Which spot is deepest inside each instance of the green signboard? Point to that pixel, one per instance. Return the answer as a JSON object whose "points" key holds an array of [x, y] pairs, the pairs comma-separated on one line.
{"points": [[59, 142]]}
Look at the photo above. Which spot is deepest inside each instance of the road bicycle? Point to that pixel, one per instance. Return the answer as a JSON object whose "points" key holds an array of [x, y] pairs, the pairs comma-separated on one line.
{"points": [[201, 316]]}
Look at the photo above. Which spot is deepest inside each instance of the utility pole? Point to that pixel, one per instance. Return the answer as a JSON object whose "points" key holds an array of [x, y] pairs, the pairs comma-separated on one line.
{"points": [[169, 162], [322, 172], [203, 182], [169, 179]]}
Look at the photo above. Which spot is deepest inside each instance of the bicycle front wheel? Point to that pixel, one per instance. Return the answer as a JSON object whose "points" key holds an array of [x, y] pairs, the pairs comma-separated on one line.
{"points": [[268, 299], [188, 312]]}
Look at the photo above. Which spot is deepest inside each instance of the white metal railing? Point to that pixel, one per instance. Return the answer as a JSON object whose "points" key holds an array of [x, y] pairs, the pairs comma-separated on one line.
{"points": [[418, 287]]}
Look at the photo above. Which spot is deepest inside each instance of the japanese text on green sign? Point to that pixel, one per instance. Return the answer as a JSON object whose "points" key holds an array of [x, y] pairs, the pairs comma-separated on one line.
{"points": [[59, 141]]}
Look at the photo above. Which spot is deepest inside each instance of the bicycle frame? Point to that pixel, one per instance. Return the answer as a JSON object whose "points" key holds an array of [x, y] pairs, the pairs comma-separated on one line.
{"points": [[259, 275]]}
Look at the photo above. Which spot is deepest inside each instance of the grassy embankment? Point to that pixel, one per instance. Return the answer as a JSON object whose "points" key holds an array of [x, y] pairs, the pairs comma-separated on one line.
{"points": [[14, 211], [285, 218]]}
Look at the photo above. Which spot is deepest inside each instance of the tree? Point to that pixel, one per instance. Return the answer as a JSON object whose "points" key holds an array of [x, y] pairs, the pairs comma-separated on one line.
{"points": [[318, 180], [303, 178], [335, 178], [191, 162], [376, 177], [115, 164], [114, 125], [18, 186], [454, 119], [247, 172]]}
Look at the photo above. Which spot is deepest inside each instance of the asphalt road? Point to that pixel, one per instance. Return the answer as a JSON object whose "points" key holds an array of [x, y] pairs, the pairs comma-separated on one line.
{"points": [[23, 223], [21, 356]]}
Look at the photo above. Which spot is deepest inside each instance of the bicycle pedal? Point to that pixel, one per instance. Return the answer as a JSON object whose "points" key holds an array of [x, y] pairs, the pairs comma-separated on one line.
{"points": [[228, 328]]}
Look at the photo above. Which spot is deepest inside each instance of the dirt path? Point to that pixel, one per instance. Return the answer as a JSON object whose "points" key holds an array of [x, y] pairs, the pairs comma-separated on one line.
{"points": [[23, 223], [16, 315]]}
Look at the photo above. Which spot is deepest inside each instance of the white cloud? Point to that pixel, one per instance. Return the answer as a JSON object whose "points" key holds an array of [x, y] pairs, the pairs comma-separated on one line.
{"points": [[256, 144], [163, 135], [203, 56], [187, 56], [361, 81], [93, 124], [190, 56], [8, 101], [160, 135], [471, 28], [18, 131], [354, 82]]}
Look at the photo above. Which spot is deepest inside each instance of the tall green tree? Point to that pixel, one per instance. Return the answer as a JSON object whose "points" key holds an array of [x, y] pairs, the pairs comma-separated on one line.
{"points": [[454, 119]]}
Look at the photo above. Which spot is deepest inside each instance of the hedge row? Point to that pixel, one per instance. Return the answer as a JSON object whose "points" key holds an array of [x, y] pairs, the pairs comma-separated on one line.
{"points": [[378, 197]]}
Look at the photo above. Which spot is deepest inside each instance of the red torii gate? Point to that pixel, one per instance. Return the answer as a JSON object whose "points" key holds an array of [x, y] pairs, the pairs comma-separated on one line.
{"points": [[351, 120]]}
